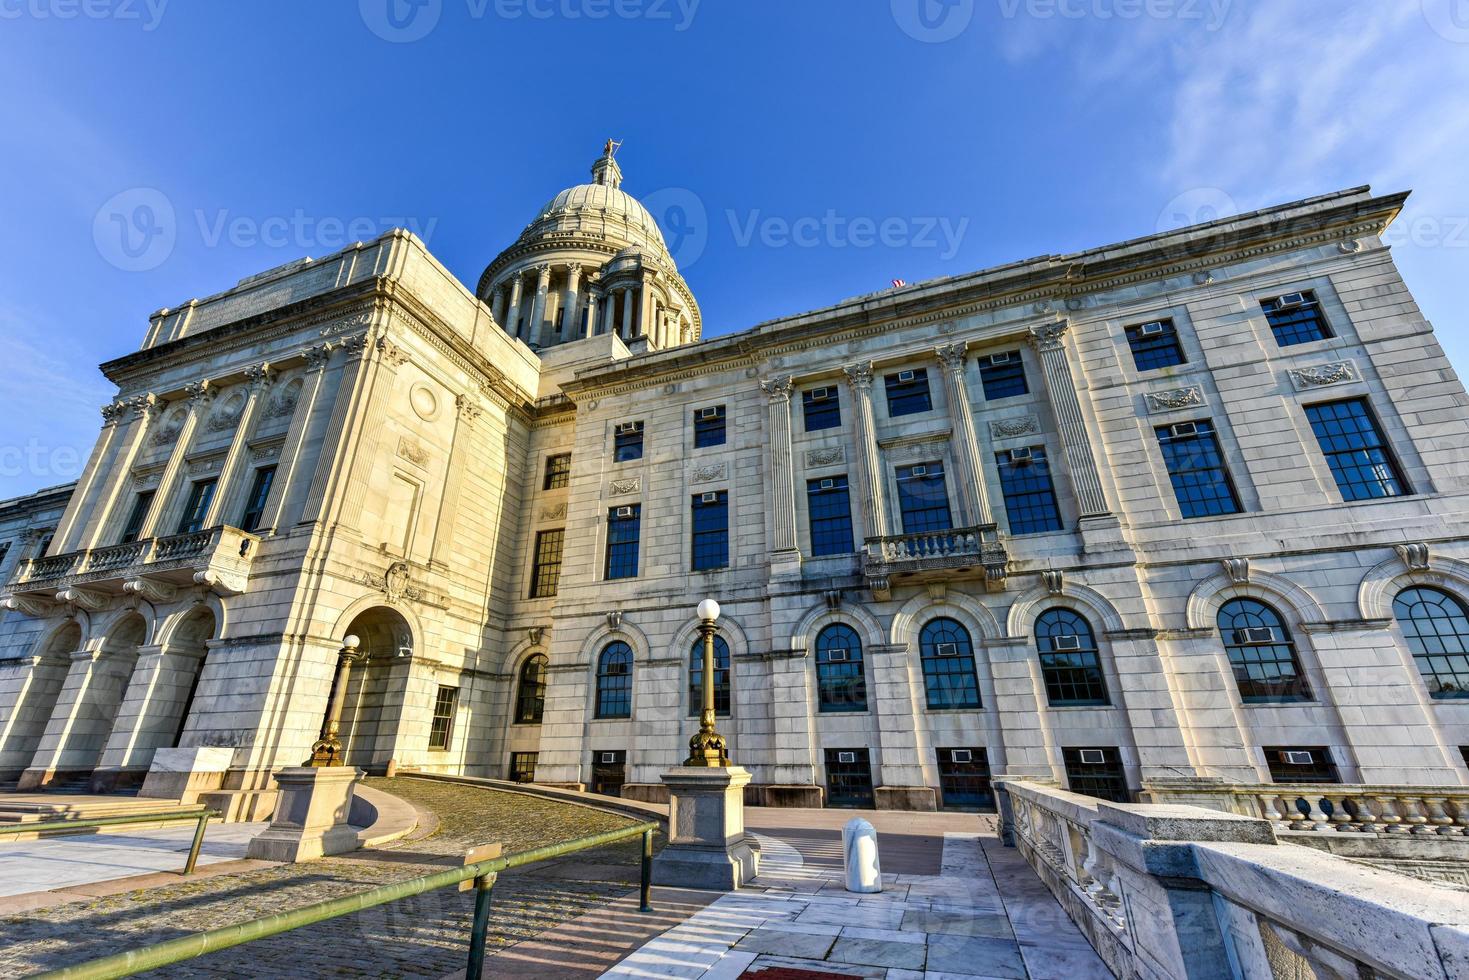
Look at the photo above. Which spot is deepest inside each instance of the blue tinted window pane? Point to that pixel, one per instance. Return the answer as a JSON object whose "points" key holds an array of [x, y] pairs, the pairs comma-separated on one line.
{"points": [[1436, 626], [614, 681], [628, 445], [1296, 324], [721, 676], [1003, 380], [711, 532], [1070, 665], [709, 427], [1200, 481], [822, 408], [829, 509], [1030, 497], [1355, 450], [622, 542], [1261, 652], [923, 498], [840, 684], [1158, 347], [948, 665], [908, 397]]}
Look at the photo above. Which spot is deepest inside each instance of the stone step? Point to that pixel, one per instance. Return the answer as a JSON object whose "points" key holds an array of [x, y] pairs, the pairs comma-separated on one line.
{"points": [[43, 807]]}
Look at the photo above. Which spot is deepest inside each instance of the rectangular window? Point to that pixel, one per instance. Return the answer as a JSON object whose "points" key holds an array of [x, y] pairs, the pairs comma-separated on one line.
{"points": [[558, 471], [923, 498], [848, 778], [829, 510], [201, 495], [1154, 345], [1200, 480], [623, 527], [1030, 498], [441, 729], [523, 767], [255, 502], [1355, 450], [1096, 772], [908, 393], [1003, 375], [709, 426], [627, 442], [141, 503], [1296, 318], [609, 771], [822, 408], [711, 531], [964, 778], [545, 575], [1301, 765]]}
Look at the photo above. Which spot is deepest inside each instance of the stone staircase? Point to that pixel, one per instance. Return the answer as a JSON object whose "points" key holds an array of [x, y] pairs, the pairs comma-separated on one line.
{"points": [[29, 808]]}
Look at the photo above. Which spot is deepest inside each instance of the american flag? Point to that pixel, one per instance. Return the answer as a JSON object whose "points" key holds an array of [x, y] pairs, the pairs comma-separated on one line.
{"points": [[899, 283]]}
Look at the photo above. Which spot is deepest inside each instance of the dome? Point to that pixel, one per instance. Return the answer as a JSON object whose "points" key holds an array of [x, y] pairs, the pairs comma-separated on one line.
{"points": [[602, 210]]}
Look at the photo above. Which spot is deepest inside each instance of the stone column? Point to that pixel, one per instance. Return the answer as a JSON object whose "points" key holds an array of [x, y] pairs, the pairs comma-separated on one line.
{"points": [[497, 306], [145, 410], [627, 303], [74, 518], [1049, 344], [331, 456], [512, 315], [200, 395], [785, 557], [592, 313], [537, 327], [569, 301], [647, 308], [289, 461], [230, 490], [966, 440], [869, 463]]}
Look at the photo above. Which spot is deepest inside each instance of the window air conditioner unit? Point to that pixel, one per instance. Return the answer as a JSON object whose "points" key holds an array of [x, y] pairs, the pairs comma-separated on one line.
{"points": [[1020, 454], [1290, 301], [1066, 642], [1000, 358], [1093, 757], [1181, 430], [846, 758], [710, 498], [1152, 329], [919, 471], [820, 394], [624, 512], [626, 427], [827, 484], [905, 376], [1255, 634], [961, 755], [609, 758], [709, 413], [947, 649], [836, 656], [1298, 759]]}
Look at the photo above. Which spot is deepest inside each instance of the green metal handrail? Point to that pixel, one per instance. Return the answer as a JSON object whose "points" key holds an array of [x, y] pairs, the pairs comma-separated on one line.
{"points": [[202, 816], [483, 874]]}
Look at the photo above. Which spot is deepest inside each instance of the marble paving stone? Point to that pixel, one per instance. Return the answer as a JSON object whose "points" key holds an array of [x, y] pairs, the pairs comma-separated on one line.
{"points": [[808, 928], [780, 943], [958, 922], [878, 952], [869, 918], [885, 935], [1064, 963], [976, 956], [817, 966]]}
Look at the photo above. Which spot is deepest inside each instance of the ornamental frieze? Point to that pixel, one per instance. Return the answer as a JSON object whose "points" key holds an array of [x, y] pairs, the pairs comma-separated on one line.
{"points": [[623, 487], [1175, 399], [1025, 425], [710, 473], [1323, 375], [411, 450], [825, 457]]}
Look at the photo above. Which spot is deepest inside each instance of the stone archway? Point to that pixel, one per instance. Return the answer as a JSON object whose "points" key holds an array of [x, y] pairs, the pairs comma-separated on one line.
{"points": [[373, 713], [94, 691], [36, 682]]}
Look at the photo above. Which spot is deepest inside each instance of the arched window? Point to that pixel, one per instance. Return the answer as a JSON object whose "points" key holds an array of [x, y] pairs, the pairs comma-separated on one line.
{"points": [[721, 676], [1261, 652], [840, 685], [530, 700], [614, 681], [1436, 626], [948, 665], [1069, 662]]}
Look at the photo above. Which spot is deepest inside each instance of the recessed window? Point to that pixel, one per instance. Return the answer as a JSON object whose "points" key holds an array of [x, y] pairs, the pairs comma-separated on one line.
{"points": [[614, 681], [1301, 764], [141, 503], [709, 426], [1096, 772], [923, 498], [1261, 652], [1201, 483], [1296, 318], [624, 525], [627, 442], [545, 574], [558, 471], [964, 778], [908, 393], [1154, 345], [1436, 626], [721, 676], [441, 728], [1002, 375], [196, 508], [848, 779], [1355, 450], [530, 695], [948, 665], [710, 544], [1030, 497], [829, 511], [822, 408], [1071, 667], [840, 683], [523, 767], [255, 501]]}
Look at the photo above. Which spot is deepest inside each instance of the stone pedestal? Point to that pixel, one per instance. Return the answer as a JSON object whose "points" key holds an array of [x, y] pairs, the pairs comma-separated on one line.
{"points": [[707, 844], [184, 774], [311, 816]]}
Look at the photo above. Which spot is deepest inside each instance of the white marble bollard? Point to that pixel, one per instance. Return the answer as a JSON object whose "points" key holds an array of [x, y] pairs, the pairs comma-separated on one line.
{"points": [[859, 854]]}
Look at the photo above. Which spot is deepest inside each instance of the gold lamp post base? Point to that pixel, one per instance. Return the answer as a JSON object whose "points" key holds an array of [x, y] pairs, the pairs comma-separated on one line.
{"points": [[707, 749], [325, 752]]}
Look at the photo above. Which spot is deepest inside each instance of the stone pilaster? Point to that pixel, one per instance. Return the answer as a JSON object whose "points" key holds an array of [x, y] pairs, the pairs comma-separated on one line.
{"points": [[200, 395], [965, 439], [785, 558], [351, 383], [902, 784], [230, 491], [1050, 346], [869, 462], [74, 518], [289, 463], [145, 411], [386, 358], [468, 409]]}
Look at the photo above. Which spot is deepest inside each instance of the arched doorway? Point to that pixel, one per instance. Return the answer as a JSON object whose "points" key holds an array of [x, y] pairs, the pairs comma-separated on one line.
{"points": [[373, 712], [38, 680]]}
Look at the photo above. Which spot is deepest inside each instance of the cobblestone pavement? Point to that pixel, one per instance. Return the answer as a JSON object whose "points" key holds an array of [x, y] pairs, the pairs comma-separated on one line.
{"points": [[416, 937]]}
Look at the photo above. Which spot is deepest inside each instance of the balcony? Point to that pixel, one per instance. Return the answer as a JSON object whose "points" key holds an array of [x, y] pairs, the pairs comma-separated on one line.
{"points": [[154, 568], [936, 554]]}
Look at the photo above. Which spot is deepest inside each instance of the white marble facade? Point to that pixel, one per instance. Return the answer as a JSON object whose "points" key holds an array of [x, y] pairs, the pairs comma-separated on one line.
{"points": [[409, 423]]}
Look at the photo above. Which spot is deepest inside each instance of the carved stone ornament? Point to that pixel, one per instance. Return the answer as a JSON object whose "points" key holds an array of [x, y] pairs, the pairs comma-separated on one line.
{"points": [[778, 388], [1238, 570], [1054, 580], [391, 352], [1203, 278], [825, 457], [534, 634], [1349, 246], [29, 605], [259, 375], [113, 412], [150, 590], [858, 375], [316, 357], [82, 599], [469, 407], [351, 321], [623, 487], [410, 449], [710, 473], [1026, 425], [395, 584], [168, 433], [284, 403], [1043, 306], [229, 415], [1174, 399], [951, 356], [200, 391], [204, 467], [614, 619], [1048, 336], [1321, 375], [1415, 556], [833, 598], [262, 453], [553, 513]]}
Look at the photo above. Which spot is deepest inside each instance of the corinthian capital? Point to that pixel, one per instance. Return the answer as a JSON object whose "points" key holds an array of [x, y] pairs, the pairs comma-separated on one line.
{"points": [[859, 375], [951, 356], [1047, 336], [146, 407], [113, 412], [259, 376], [778, 388], [199, 391]]}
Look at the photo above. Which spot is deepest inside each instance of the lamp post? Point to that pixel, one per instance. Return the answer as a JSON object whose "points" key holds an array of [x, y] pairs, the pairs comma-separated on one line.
{"points": [[707, 748], [327, 750]]}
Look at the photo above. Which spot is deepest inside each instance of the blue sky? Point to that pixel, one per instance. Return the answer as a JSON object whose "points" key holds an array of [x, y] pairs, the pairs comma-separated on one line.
{"points": [[807, 150]]}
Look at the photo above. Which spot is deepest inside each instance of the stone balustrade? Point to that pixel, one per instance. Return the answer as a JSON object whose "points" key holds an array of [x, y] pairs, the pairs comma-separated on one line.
{"points": [[1422, 811], [943, 551], [219, 557]]}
